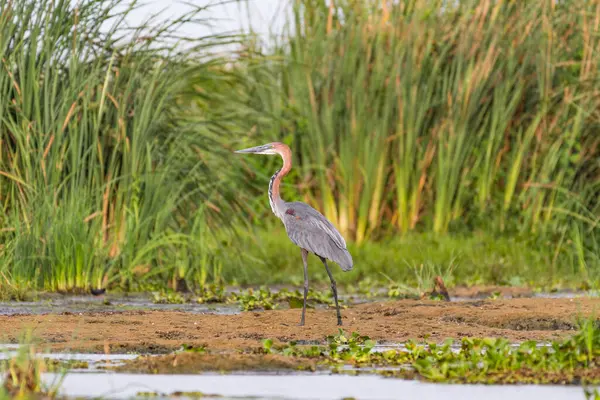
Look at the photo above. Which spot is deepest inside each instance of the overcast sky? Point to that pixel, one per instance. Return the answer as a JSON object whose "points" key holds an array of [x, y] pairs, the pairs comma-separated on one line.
{"points": [[232, 16]]}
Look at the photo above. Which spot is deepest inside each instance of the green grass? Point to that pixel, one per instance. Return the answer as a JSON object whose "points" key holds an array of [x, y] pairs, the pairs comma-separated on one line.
{"points": [[413, 260]]}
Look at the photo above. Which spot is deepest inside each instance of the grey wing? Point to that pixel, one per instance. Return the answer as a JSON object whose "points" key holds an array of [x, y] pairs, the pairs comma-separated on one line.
{"points": [[312, 217], [310, 230]]}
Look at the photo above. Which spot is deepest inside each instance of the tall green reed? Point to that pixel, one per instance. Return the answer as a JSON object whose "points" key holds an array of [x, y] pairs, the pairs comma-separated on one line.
{"points": [[105, 157], [424, 115]]}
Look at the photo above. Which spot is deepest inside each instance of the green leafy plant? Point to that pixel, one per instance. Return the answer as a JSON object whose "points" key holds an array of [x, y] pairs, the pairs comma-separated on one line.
{"points": [[168, 297], [22, 373], [212, 294], [470, 360], [252, 300]]}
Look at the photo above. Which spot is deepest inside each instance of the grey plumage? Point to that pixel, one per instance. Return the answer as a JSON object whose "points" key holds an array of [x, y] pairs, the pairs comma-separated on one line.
{"points": [[310, 230]]}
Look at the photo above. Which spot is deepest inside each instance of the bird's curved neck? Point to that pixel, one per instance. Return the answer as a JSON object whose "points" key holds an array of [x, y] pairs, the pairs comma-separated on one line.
{"points": [[277, 204]]}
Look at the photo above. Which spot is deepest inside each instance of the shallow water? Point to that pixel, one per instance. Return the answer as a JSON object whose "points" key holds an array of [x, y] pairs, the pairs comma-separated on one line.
{"points": [[56, 303], [567, 295], [541, 295], [94, 361], [81, 304], [455, 347], [94, 381], [366, 387]]}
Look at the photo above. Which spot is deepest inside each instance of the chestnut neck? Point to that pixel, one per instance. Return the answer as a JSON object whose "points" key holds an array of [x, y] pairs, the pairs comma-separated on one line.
{"points": [[277, 204]]}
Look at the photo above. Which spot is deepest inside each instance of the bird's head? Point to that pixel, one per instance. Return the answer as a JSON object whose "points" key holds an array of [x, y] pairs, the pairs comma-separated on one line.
{"points": [[269, 148]]}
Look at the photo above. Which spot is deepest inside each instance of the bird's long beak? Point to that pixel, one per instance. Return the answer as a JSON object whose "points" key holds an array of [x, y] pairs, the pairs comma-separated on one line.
{"points": [[256, 150]]}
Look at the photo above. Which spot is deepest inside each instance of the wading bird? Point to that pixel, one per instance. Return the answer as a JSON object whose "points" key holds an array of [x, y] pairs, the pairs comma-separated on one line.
{"points": [[305, 226]]}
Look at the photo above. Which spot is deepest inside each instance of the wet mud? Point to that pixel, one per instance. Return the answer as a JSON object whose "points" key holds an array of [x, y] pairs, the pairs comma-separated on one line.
{"points": [[485, 291], [186, 363], [159, 332]]}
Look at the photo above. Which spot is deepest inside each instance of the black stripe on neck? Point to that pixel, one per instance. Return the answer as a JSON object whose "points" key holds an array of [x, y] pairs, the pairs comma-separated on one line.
{"points": [[271, 200]]}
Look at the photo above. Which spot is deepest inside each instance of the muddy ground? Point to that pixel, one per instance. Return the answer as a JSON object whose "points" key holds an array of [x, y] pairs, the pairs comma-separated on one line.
{"points": [[392, 321], [189, 363]]}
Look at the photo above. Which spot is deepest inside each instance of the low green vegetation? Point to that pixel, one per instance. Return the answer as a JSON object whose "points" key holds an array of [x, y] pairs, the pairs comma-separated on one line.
{"points": [[21, 374], [268, 300], [412, 261], [250, 299], [575, 360], [592, 394]]}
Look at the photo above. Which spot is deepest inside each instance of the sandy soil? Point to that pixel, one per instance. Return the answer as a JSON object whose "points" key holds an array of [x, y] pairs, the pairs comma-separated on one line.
{"points": [[164, 331]]}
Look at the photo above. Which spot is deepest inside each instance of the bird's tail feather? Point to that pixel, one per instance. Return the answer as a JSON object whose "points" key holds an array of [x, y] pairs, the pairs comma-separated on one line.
{"points": [[345, 261]]}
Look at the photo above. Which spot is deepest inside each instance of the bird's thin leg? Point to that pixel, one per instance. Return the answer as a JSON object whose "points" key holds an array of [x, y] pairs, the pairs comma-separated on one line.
{"points": [[304, 260], [334, 290]]}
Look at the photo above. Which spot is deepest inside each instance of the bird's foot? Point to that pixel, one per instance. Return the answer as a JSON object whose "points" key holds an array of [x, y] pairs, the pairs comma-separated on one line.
{"points": [[301, 323], [339, 322]]}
